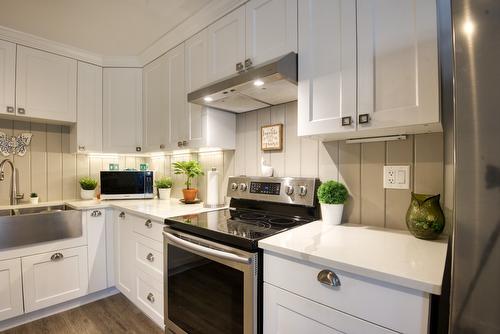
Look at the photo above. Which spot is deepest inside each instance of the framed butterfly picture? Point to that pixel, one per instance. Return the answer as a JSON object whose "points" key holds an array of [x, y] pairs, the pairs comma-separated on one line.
{"points": [[14, 145]]}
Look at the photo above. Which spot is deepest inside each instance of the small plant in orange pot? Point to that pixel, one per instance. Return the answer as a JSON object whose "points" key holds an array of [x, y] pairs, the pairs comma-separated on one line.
{"points": [[191, 169]]}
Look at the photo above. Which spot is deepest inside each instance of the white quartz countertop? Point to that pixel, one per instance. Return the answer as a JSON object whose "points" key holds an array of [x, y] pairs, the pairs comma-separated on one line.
{"points": [[151, 208], [391, 256], [154, 209]]}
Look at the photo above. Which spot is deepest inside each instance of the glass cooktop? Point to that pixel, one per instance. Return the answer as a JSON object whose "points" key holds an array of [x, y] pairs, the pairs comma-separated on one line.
{"points": [[236, 227]]}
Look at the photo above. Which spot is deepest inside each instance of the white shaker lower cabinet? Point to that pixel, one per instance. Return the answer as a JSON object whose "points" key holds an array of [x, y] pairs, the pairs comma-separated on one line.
{"points": [[11, 291], [54, 277], [124, 251], [96, 236], [296, 302]]}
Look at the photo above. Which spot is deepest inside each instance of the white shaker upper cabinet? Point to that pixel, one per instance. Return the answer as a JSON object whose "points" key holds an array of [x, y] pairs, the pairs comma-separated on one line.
{"points": [[122, 110], [45, 86], [156, 113], [7, 77], [398, 83], [196, 52], [11, 289], [176, 96], [87, 133], [226, 44], [327, 67], [271, 29]]}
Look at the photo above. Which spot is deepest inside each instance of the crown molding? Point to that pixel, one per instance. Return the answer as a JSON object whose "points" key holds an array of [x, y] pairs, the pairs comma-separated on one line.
{"points": [[191, 26], [121, 61], [41, 43]]}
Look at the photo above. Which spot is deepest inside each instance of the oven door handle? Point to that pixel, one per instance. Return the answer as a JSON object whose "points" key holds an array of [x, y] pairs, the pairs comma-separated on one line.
{"points": [[176, 241]]}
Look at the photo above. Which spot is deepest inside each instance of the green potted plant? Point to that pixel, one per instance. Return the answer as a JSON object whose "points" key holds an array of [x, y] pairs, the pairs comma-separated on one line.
{"points": [[88, 186], [164, 185], [191, 169], [332, 195], [34, 198]]}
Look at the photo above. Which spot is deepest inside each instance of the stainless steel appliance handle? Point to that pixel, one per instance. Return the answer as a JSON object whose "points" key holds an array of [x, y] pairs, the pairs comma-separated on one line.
{"points": [[176, 241]]}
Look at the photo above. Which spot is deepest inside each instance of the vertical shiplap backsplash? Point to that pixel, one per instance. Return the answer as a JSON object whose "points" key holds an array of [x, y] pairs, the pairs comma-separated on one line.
{"points": [[53, 172], [359, 166]]}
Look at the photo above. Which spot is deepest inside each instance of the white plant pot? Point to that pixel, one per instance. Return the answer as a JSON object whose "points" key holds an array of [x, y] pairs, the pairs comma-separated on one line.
{"points": [[34, 200], [87, 194], [164, 193], [332, 213]]}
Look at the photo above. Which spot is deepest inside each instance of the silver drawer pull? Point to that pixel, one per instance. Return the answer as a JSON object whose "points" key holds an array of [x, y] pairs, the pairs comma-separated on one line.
{"points": [[122, 215], [56, 257], [328, 277], [150, 257], [21, 111], [151, 297], [96, 213], [148, 223]]}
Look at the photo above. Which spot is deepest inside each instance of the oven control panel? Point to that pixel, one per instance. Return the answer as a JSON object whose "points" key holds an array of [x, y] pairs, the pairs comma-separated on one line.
{"points": [[299, 191]]}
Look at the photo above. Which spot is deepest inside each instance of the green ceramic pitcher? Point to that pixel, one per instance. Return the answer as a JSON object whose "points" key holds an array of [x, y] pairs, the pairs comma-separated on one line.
{"points": [[425, 218]]}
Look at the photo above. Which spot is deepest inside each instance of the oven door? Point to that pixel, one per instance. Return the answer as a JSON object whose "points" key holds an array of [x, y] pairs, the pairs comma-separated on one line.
{"points": [[209, 287]]}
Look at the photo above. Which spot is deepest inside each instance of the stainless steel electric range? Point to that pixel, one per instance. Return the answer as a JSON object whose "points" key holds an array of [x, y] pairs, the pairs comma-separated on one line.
{"points": [[213, 267]]}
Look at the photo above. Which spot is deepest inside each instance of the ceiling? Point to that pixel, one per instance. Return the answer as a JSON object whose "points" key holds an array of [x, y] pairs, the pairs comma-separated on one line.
{"points": [[105, 27]]}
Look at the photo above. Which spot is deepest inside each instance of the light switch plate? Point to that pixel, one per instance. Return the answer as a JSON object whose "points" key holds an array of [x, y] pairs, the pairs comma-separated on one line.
{"points": [[397, 177]]}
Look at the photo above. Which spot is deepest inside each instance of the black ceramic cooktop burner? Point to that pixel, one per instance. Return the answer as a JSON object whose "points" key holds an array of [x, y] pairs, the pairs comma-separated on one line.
{"points": [[235, 227]]}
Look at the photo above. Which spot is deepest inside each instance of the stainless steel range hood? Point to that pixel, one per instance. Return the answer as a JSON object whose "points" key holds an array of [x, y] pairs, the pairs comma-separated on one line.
{"points": [[265, 85]]}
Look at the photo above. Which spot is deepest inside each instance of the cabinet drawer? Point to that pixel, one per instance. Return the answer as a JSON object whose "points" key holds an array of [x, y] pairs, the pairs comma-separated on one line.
{"points": [[149, 256], [150, 297], [147, 227], [285, 312], [400, 309], [54, 277]]}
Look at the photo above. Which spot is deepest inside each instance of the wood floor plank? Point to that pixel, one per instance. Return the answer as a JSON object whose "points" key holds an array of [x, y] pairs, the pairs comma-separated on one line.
{"points": [[111, 315]]}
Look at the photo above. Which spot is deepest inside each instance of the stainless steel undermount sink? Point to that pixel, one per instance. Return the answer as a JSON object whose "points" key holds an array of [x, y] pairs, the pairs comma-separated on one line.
{"points": [[25, 226]]}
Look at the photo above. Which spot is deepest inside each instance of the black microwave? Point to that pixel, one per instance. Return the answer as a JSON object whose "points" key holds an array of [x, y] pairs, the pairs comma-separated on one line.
{"points": [[126, 184]]}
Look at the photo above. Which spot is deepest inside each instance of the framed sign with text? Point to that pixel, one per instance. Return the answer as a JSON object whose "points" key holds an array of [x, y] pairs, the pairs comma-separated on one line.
{"points": [[271, 137]]}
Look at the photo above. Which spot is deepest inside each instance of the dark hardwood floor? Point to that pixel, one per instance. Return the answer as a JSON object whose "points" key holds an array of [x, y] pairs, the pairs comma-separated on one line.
{"points": [[114, 314]]}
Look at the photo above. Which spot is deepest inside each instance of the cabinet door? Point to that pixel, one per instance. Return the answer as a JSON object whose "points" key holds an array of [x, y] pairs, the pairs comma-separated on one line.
{"points": [[327, 66], [176, 95], [89, 109], [226, 44], [11, 289], [96, 236], [196, 50], [7, 77], [156, 112], [54, 277], [45, 85], [288, 313], [397, 62], [122, 110], [124, 255], [271, 29]]}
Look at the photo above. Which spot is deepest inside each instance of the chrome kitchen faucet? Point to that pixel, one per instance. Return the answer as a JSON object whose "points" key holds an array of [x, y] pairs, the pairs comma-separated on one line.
{"points": [[14, 196]]}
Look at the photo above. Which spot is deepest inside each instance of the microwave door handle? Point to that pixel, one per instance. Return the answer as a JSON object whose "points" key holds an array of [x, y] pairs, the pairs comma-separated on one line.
{"points": [[176, 241]]}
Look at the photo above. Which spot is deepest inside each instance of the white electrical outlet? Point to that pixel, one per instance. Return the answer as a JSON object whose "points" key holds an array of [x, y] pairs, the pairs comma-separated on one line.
{"points": [[397, 177]]}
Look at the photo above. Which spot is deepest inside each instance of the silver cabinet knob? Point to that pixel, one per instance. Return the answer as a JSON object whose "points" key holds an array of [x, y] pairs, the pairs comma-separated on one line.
{"points": [[10, 109], [96, 213], [162, 146], [289, 190], [346, 121], [239, 67], [302, 190], [234, 186], [248, 63], [151, 297], [148, 223], [81, 148], [122, 215], [179, 144], [185, 143], [243, 186], [328, 277], [138, 149], [21, 111], [364, 118], [56, 257], [150, 257]]}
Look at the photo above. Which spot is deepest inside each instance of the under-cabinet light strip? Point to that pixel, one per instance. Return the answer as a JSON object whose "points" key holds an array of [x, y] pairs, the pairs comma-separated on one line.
{"points": [[375, 139]]}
